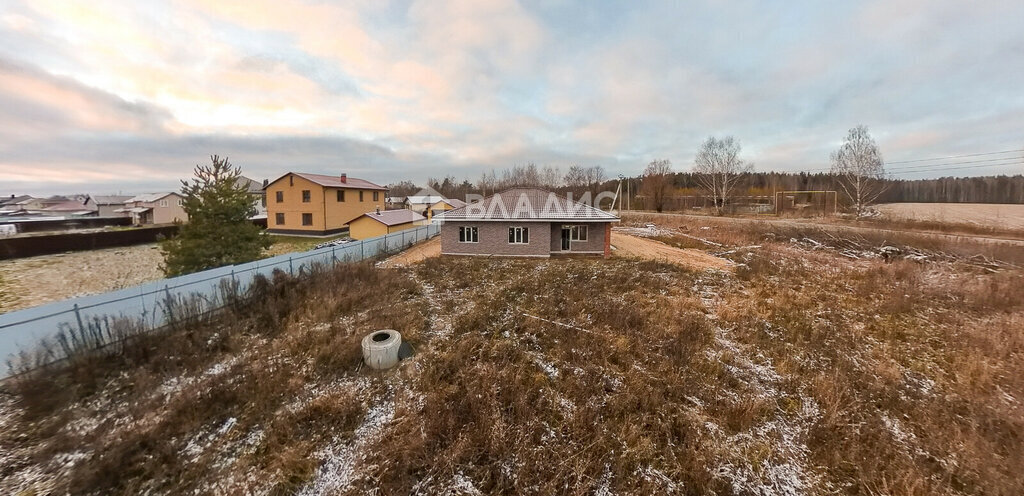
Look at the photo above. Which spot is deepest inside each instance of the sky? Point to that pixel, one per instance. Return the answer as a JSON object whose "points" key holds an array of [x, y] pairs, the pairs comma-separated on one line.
{"points": [[104, 97]]}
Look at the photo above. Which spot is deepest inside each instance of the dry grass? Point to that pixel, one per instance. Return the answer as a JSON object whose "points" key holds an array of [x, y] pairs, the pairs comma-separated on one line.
{"points": [[805, 372]]}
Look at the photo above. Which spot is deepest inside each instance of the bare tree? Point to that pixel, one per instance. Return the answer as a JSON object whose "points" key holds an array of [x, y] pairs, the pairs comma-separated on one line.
{"points": [[594, 176], [487, 182], [657, 182], [550, 177], [859, 169], [718, 169]]}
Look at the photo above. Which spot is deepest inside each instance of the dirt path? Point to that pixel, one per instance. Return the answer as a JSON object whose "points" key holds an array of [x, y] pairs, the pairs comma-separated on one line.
{"points": [[415, 254], [625, 245], [838, 227]]}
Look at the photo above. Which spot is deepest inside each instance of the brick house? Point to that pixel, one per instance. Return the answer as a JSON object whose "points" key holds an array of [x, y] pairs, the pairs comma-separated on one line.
{"points": [[319, 205], [525, 222]]}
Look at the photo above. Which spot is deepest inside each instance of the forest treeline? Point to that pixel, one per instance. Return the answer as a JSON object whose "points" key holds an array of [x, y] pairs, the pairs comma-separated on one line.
{"points": [[980, 189]]}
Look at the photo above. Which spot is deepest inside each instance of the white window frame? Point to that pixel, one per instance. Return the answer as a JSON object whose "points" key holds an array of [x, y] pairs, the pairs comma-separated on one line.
{"points": [[574, 233], [163, 203], [181, 203], [469, 234], [519, 235]]}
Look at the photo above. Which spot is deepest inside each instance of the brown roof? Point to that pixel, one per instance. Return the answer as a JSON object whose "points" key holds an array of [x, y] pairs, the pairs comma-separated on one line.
{"points": [[335, 181], [454, 202], [394, 217], [527, 204]]}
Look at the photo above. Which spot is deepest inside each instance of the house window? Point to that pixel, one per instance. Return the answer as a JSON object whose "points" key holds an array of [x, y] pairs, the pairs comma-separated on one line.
{"points": [[360, 196], [305, 196], [468, 235], [341, 195], [307, 219], [163, 203], [519, 235], [579, 233], [279, 219], [279, 196], [376, 195], [181, 203]]}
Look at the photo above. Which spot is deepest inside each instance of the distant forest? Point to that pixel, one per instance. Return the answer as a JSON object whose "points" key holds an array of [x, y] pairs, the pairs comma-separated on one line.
{"points": [[982, 189]]}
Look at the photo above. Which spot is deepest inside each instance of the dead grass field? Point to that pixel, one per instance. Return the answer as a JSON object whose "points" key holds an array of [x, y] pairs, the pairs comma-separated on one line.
{"points": [[27, 282], [985, 215], [811, 368]]}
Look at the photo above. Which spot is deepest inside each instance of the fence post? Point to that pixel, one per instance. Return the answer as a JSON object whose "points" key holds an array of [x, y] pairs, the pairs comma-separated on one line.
{"points": [[334, 259], [168, 313], [291, 270], [78, 316], [362, 254]]}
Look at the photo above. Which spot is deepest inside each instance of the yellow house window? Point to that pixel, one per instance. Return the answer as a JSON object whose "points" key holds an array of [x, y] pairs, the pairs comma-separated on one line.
{"points": [[360, 196], [305, 196], [341, 195], [307, 219], [376, 195], [279, 219]]}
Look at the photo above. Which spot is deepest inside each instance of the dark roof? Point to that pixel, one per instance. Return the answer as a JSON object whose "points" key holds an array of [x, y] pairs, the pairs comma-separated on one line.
{"points": [[150, 197], [250, 185], [14, 199], [527, 204], [335, 181], [394, 217], [70, 206], [110, 199]]}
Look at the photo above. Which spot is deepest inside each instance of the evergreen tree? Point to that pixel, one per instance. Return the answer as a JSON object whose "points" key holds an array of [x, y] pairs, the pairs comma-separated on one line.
{"points": [[219, 231]]}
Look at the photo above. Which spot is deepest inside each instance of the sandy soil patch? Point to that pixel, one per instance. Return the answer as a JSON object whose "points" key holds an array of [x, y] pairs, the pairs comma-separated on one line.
{"points": [[28, 282], [626, 245], [416, 254], [991, 215]]}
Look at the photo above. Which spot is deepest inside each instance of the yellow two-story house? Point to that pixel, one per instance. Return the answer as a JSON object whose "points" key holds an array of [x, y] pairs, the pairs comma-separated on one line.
{"points": [[319, 205]]}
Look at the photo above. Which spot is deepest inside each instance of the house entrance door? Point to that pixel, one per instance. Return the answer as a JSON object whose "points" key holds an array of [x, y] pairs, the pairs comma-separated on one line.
{"points": [[565, 238]]}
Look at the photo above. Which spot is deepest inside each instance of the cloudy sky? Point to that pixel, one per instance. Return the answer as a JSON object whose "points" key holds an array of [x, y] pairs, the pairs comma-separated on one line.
{"points": [[128, 96]]}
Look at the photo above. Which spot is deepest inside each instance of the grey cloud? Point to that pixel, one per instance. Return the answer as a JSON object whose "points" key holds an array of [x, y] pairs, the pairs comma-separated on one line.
{"points": [[52, 118]]}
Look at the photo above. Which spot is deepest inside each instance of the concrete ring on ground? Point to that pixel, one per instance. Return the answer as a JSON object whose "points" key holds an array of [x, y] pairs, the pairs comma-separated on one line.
{"points": [[380, 348]]}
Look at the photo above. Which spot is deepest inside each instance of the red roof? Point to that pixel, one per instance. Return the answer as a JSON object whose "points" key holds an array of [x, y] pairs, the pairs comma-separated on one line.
{"points": [[335, 181]]}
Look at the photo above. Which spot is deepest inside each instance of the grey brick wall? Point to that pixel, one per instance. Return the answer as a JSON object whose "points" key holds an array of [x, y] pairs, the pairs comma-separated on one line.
{"points": [[493, 238], [594, 242]]}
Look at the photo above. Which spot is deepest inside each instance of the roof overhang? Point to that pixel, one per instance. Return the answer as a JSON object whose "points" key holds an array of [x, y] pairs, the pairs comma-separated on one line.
{"points": [[561, 221]]}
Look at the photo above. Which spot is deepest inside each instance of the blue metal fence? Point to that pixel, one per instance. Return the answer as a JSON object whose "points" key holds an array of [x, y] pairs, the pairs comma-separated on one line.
{"points": [[23, 330]]}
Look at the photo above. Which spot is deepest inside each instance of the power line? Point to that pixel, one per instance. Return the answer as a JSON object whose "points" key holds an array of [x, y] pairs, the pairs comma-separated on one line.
{"points": [[826, 169], [953, 156], [953, 168], [925, 166]]}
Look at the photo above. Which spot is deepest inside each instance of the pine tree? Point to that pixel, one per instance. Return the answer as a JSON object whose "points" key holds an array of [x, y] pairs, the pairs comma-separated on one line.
{"points": [[219, 231]]}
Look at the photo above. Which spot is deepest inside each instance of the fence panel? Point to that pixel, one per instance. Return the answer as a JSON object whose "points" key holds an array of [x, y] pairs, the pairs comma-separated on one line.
{"points": [[24, 330]]}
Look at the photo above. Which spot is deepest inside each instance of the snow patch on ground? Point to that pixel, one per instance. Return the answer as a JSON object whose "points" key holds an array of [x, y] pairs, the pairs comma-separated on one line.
{"points": [[341, 460]]}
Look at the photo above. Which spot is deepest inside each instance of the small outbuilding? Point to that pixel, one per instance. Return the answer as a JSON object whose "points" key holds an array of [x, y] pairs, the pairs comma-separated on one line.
{"points": [[381, 222], [444, 206], [526, 222]]}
